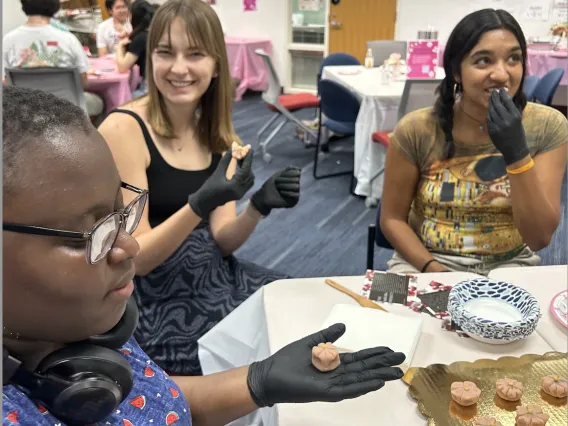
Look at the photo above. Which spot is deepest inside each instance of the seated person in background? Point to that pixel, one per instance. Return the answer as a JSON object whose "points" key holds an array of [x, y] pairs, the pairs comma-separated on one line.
{"points": [[132, 50], [187, 279], [37, 43], [474, 183], [69, 281], [115, 28]]}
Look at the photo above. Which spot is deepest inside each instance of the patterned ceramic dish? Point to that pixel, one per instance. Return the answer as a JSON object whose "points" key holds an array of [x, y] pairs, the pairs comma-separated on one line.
{"points": [[493, 311]]}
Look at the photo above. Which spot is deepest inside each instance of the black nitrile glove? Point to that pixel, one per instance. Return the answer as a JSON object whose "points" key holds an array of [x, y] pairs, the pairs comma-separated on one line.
{"points": [[282, 190], [288, 376], [218, 190], [505, 127]]}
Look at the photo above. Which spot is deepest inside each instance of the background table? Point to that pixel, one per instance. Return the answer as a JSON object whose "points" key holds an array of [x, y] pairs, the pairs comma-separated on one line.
{"points": [[114, 87], [539, 62], [287, 310], [245, 65], [378, 113]]}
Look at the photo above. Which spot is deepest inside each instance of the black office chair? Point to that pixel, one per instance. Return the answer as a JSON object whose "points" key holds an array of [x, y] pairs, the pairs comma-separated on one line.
{"points": [[376, 236]]}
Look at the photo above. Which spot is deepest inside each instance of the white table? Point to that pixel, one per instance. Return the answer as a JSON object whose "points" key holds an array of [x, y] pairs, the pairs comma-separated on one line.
{"points": [[544, 283], [378, 113], [287, 310]]}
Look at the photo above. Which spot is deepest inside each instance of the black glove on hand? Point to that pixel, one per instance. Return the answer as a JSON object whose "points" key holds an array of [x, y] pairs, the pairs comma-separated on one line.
{"points": [[282, 190], [218, 190], [505, 127], [288, 376]]}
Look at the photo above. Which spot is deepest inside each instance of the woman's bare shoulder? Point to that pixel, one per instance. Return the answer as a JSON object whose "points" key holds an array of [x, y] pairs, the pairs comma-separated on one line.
{"points": [[118, 124]]}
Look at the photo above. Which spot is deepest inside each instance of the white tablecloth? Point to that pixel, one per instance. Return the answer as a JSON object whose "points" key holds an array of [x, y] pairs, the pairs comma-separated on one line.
{"points": [[378, 113], [545, 278], [287, 310]]}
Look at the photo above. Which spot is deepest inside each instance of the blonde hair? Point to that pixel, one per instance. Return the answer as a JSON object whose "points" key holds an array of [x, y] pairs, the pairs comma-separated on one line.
{"points": [[214, 126]]}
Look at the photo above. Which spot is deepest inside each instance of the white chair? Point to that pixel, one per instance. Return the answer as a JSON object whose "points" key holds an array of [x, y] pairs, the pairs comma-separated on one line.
{"points": [[62, 82], [417, 94], [383, 48], [284, 105]]}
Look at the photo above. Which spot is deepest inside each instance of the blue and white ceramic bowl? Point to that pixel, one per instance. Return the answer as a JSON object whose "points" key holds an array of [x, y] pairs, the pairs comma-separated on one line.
{"points": [[493, 311]]}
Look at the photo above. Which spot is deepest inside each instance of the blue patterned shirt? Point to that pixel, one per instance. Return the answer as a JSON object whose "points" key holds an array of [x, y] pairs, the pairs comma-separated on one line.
{"points": [[155, 400]]}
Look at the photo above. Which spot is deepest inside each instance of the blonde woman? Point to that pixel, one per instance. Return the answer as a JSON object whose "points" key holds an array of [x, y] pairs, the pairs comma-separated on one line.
{"points": [[171, 142]]}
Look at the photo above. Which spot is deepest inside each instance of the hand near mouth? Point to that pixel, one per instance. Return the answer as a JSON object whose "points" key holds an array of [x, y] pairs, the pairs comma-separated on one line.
{"points": [[505, 127]]}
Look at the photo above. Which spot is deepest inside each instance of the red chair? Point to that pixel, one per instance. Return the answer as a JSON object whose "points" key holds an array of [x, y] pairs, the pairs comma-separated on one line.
{"points": [[381, 138], [417, 93], [284, 105]]}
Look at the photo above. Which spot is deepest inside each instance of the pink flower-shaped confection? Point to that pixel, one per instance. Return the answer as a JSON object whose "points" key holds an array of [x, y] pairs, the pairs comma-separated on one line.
{"points": [[555, 386], [465, 393], [509, 389], [531, 415], [325, 357], [487, 421]]}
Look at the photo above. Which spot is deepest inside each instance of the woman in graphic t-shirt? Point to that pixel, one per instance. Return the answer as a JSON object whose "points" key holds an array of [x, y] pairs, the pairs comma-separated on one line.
{"points": [[474, 183]]}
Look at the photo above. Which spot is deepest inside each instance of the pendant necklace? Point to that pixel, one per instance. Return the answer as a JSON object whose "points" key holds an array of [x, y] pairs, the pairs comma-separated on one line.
{"points": [[481, 124]]}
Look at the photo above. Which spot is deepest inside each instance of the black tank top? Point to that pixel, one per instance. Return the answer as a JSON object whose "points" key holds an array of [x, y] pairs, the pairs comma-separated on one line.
{"points": [[169, 187]]}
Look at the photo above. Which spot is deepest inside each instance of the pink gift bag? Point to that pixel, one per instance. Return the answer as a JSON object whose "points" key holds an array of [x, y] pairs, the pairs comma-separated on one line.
{"points": [[422, 59]]}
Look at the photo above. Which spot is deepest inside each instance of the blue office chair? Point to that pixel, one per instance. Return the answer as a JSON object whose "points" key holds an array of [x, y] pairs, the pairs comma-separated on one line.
{"points": [[340, 107], [529, 86], [376, 236], [547, 86], [337, 59]]}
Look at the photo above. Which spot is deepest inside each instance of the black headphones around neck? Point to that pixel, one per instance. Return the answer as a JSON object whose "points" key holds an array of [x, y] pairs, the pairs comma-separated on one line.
{"points": [[84, 382]]}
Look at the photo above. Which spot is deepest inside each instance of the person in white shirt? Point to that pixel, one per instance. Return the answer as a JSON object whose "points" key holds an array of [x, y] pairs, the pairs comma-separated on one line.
{"points": [[115, 28], [37, 43]]}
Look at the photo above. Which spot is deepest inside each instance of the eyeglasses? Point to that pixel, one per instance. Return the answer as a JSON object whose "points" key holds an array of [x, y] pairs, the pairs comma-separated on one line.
{"points": [[102, 236]]}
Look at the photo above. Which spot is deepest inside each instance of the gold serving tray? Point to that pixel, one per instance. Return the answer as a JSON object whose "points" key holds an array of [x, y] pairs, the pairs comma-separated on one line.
{"points": [[430, 387]]}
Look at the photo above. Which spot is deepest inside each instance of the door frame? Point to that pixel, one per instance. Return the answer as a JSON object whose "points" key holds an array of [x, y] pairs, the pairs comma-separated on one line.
{"points": [[287, 77]]}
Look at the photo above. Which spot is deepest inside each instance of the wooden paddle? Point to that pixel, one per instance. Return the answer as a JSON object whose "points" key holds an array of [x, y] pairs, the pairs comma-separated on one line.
{"points": [[363, 301]]}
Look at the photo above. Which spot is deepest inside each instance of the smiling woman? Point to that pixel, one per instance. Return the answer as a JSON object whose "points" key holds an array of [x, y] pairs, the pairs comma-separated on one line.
{"points": [[473, 183], [179, 147]]}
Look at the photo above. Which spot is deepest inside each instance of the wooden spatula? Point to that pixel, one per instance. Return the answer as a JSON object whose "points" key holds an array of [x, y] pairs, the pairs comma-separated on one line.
{"points": [[363, 301]]}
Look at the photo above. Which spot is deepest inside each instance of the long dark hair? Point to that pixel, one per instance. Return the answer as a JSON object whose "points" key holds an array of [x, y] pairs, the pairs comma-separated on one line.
{"points": [[142, 13], [463, 38]]}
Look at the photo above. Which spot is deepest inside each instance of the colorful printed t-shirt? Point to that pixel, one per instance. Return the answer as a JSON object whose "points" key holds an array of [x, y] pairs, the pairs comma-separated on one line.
{"points": [[43, 46], [155, 400], [462, 205]]}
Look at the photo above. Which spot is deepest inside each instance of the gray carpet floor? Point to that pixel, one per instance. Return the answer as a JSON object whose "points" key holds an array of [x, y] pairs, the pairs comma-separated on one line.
{"points": [[326, 233]]}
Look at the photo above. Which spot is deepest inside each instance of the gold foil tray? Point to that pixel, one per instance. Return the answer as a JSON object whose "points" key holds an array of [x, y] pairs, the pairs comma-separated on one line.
{"points": [[430, 387]]}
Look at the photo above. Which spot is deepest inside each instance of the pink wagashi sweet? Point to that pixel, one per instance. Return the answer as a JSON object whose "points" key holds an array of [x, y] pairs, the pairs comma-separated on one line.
{"points": [[555, 386], [238, 152], [509, 389], [487, 421], [325, 357], [531, 415], [465, 393]]}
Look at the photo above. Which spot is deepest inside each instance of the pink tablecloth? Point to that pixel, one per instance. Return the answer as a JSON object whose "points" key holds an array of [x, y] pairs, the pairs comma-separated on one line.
{"points": [[539, 62], [245, 65], [115, 88]]}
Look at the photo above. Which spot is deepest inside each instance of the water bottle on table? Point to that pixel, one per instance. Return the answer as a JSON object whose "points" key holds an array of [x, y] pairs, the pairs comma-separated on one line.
{"points": [[369, 60]]}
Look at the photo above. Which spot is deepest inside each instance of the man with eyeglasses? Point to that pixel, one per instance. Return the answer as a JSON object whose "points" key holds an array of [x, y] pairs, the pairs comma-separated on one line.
{"points": [[68, 353]]}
